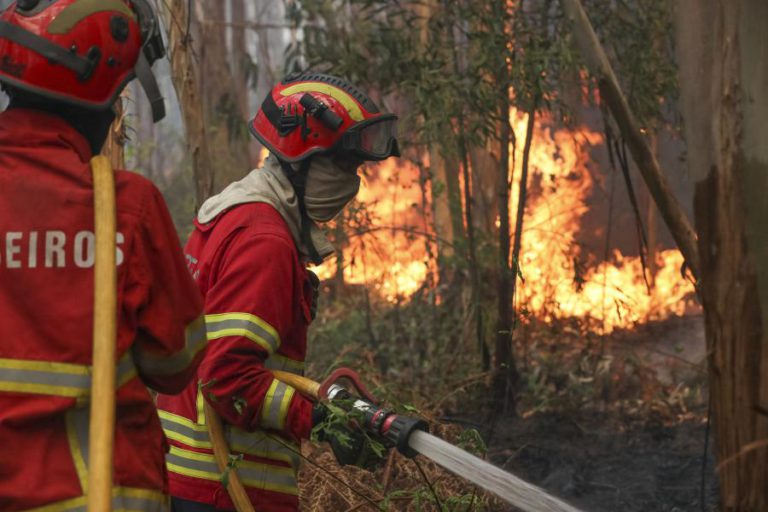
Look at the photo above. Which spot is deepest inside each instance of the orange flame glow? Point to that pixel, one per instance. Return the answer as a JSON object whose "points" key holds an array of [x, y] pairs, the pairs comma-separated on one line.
{"points": [[393, 257], [396, 260]]}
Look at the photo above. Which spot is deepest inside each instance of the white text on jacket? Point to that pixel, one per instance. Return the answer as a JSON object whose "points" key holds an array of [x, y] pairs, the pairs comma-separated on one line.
{"points": [[51, 249]]}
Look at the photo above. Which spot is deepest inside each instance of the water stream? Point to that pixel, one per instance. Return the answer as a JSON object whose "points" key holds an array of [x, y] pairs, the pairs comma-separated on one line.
{"points": [[512, 489]]}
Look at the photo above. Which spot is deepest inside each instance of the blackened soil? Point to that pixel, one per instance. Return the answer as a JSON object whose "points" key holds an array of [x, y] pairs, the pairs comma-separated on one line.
{"points": [[599, 464]]}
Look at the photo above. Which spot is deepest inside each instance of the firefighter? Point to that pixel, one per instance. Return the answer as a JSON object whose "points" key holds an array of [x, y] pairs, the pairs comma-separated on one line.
{"points": [[249, 254], [64, 63]]}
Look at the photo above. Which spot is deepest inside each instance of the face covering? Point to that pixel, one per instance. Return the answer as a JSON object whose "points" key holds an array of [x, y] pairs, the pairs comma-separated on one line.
{"points": [[329, 189]]}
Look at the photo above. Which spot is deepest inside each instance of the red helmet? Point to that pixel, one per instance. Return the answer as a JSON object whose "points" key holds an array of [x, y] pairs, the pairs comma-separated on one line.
{"points": [[311, 113], [81, 52]]}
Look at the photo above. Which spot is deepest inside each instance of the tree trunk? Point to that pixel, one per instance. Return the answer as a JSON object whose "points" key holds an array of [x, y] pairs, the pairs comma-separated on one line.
{"points": [[484, 162], [444, 167], [505, 375], [519, 221], [270, 49], [652, 225], [446, 208], [184, 74], [242, 69], [723, 55], [505, 378], [226, 127]]}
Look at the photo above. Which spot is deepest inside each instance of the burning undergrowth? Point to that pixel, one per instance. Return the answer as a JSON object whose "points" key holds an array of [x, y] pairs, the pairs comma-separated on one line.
{"points": [[577, 313], [390, 246]]}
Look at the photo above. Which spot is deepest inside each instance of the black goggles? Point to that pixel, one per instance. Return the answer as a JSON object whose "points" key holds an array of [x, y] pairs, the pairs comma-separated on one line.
{"points": [[375, 139]]}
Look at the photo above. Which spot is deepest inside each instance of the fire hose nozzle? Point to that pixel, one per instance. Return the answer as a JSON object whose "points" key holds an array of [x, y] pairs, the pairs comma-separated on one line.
{"points": [[383, 423], [398, 429]]}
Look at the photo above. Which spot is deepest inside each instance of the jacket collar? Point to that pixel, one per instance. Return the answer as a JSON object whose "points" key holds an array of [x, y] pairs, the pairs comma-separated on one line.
{"points": [[269, 185], [21, 127]]}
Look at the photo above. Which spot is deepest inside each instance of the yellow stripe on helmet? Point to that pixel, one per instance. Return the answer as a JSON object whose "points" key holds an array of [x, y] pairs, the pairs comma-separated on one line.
{"points": [[76, 12], [339, 95]]}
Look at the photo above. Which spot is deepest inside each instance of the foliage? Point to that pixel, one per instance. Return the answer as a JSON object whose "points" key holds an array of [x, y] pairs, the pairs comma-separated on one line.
{"points": [[449, 58], [639, 36], [417, 344]]}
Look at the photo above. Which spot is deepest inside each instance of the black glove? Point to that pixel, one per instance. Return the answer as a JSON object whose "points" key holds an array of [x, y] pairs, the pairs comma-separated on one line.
{"points": [[350, 445]]}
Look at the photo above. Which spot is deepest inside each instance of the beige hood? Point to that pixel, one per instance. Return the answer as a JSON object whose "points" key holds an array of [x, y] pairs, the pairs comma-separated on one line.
{"points": [[267, 185]]}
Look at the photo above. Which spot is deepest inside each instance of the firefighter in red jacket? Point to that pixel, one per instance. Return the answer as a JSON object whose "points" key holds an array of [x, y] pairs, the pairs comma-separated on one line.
{"points": [[64, 63], [249, 253]]}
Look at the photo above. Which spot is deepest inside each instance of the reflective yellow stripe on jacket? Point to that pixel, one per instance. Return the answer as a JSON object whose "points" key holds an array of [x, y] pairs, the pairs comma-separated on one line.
{"points": [[124, 499], [266, 446], [276, 404], [285, 364], [253, 474], [195, 341], [260, 444], [56, 379], [246, 325]]}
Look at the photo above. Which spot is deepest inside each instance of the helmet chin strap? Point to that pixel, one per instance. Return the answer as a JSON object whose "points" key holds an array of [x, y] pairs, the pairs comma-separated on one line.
{"points": [[298, 180], [148, 82]]}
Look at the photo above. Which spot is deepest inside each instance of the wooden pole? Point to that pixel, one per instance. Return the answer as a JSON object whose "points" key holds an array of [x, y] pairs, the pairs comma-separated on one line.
{"points": [[221, 453], [102, 422], [597, 61], [303, 385]]}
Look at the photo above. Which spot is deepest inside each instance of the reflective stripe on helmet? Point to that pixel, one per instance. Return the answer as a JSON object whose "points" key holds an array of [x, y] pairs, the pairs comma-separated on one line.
{"points": [[74, 13], [342, 97], [49, 50]]}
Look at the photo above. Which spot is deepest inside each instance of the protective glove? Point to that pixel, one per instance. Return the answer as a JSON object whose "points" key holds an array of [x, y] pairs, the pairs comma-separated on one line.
{"points": [[350, 445]]}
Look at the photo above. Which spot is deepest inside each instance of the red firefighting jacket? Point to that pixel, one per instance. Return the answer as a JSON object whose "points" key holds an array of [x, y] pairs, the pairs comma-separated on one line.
{"points": [[46, 316], [257, 307]]}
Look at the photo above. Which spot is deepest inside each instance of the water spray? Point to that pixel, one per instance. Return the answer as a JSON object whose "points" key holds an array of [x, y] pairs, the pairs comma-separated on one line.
{"points": [[411, 437]]}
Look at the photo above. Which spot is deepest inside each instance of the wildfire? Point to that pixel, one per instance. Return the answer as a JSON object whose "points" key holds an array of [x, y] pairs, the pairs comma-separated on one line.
{"points": [[392, 254], [395, 259]]}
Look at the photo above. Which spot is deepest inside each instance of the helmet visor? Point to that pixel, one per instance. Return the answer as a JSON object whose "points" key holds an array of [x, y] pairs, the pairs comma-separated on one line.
{"points": [[374, 139], [377, 139]]}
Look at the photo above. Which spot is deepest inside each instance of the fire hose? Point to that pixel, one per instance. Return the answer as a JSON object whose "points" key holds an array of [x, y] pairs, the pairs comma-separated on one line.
{"points": [[409, 435], [384, 424]]}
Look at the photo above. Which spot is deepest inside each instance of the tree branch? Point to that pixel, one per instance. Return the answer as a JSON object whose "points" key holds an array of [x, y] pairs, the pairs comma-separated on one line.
{"points": [[610, 91]]}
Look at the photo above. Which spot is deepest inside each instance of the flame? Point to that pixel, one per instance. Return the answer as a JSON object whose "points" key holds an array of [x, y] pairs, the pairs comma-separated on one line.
{"points": [[393, 257], [397, 261], [614, 293]]}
